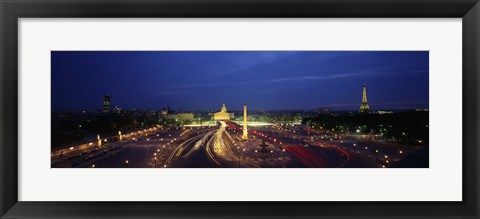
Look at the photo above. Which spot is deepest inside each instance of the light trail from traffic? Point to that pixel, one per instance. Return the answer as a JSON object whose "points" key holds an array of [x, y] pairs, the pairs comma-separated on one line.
{"points": [[178, 150], [198, 144]]}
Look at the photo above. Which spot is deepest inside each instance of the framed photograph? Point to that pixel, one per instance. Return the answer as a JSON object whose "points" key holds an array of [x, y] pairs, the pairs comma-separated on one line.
{"points": [[232, 109]]}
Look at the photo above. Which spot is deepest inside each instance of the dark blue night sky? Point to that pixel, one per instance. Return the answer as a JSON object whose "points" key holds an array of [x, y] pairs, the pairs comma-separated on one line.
{"points": [[265, 80]]}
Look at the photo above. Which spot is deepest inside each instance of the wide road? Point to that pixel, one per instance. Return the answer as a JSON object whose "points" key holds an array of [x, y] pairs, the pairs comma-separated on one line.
{"points": [[211, 149], [192, 153]]}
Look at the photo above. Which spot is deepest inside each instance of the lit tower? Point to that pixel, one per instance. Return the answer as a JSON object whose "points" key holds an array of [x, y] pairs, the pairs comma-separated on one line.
{"points": [[364, 107], [245, 130]]}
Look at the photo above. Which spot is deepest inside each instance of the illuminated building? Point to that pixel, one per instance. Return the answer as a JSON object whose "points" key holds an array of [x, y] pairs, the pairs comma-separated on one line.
{"points": [[364, 107], [384, 112], [106, 104], [223, 114], [180, 116], [245, 130]]}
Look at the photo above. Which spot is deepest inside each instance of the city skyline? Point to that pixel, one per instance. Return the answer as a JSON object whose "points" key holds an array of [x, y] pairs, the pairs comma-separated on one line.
{"points": [[266, 80], [240, 109]]}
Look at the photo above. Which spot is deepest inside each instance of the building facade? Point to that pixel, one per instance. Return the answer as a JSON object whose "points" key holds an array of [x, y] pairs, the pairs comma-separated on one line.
{"points": [[223, 115], [181, 116]]}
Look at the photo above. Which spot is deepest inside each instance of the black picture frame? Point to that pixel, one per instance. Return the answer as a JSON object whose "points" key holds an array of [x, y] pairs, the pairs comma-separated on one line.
{"points": [[12, 10]]}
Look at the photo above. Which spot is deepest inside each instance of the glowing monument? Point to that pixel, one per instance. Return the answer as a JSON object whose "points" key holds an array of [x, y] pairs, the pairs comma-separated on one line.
{"points": [[223, 115], [364, 107], [245, 130]]}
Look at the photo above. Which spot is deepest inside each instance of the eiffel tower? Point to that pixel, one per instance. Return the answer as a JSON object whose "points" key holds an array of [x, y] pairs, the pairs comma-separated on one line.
{"points": [[364, 107]]}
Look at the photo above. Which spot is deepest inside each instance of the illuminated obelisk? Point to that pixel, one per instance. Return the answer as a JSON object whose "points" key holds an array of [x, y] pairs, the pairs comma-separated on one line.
{"points": [[245, 130]]}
